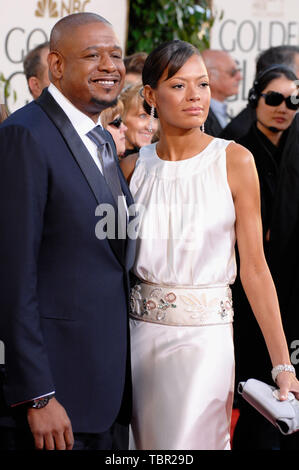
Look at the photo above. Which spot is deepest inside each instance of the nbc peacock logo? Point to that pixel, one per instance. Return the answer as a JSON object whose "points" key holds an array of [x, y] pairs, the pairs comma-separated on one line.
{"points": [[53, 9], [46, 6]]}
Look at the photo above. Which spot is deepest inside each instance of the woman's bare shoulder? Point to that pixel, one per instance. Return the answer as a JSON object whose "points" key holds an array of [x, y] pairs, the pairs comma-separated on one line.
{"points": [[238, 157], [238, 154], [128, 164], [241, 170]]}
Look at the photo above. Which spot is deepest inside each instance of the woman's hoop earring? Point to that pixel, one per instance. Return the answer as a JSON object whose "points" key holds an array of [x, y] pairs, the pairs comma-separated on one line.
{"points": [[151, 122], [202, 127]]}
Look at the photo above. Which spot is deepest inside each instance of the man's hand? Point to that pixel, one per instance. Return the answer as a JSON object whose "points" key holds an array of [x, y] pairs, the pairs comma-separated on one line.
{"points": [[51, 427]]}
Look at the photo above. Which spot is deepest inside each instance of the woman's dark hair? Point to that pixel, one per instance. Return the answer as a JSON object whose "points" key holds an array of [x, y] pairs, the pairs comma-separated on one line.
{"points": [[171, 55], [285, 55], [265, 77]]}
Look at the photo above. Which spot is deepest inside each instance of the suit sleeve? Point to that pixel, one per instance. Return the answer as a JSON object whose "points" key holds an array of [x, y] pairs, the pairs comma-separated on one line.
{"points": [[23, 197]]}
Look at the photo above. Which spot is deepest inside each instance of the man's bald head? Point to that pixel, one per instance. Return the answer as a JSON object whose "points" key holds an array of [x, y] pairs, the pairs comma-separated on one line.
{"points": [[213, 57], [67, 25], [223, 72]]}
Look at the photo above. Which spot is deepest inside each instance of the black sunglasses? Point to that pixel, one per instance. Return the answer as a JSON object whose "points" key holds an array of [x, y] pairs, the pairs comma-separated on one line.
{"points": [[116, 123], [273, 98]]}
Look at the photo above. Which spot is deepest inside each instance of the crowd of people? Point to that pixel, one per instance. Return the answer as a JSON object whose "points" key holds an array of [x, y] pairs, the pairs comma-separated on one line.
{"points": [[155, 129]]}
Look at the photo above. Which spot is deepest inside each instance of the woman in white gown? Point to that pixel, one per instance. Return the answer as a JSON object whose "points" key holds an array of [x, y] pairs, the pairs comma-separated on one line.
{"points": [[195, 195]]}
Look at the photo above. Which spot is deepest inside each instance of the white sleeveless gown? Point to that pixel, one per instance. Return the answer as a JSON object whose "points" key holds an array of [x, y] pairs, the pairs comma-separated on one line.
{"points": [[183, 376]]}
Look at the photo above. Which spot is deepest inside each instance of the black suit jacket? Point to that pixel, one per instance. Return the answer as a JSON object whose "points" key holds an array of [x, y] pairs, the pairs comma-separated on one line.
{"points": [[279, 186], [64, 292], [283, 246], [212, 125], [240, 125]]}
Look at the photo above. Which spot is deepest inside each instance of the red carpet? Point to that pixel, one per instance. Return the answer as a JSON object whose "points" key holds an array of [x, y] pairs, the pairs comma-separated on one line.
{"points": [[235, 417]]}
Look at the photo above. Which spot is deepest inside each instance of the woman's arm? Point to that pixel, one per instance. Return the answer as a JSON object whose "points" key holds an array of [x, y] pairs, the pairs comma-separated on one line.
{"points": [[127, 165], [254, 272]]}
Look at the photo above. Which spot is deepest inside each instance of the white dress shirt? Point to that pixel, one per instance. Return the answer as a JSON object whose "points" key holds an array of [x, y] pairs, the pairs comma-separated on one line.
{"points": [[220, 110], [82, 123]]}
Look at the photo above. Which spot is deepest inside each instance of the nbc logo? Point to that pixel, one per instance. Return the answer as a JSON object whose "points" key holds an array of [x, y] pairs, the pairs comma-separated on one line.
{"points": [[57, 9], [44, 6]]}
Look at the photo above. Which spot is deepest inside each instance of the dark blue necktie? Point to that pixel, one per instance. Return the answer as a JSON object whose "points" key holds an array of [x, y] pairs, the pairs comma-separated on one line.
{"points": [[110, 172], [106, 156]]}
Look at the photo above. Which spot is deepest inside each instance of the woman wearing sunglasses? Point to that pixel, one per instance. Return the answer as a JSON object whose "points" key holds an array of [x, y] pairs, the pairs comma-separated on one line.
{"points": [[274, 96], [112, 121], [271, 140]]}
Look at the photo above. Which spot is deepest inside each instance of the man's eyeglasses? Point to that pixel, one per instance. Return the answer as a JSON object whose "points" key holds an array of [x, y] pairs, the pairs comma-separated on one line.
{"points": [[233, 72], [116, 122], [273, 98]]}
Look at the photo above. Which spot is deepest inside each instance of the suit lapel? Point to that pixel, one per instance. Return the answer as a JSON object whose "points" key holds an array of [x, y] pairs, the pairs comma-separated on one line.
{"points": [[94, 177], [131, 243]]}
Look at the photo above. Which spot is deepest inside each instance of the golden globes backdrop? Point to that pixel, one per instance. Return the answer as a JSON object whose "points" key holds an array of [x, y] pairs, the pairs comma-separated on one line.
{"points": [[26, 23], [249, 27]]}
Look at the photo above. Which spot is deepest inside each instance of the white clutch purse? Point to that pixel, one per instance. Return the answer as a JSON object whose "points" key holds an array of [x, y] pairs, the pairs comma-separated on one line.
{"points": [[265, 399]]}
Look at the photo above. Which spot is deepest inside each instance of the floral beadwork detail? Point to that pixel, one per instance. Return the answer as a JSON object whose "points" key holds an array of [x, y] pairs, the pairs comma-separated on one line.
{"points": [[201, 308], [180, 306], [156, 303], [226, 305]]}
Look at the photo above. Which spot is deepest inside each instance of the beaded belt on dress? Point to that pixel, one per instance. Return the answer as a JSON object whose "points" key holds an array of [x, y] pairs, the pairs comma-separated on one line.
{"points": [[181, 306]]}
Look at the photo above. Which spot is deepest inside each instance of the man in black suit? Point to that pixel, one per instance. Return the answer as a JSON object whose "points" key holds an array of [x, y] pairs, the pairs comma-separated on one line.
{"points": [[64, 290], [224, 79]]}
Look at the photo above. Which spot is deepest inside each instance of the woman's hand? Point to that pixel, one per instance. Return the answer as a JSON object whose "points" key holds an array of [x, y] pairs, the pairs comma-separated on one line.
{"points": [[287, 382]]}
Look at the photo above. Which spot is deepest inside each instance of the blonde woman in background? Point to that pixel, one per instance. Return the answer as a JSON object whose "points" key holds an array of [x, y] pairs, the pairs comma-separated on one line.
{"points": [[3, 112], [141, 129]]}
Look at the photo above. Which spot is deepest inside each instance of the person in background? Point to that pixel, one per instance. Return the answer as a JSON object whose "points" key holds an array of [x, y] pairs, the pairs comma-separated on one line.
{"points": [[111, 119], [36, 69], [286, 55], [134, 65], [225, 76], [274, 98], [3, 112], [140, 127]]}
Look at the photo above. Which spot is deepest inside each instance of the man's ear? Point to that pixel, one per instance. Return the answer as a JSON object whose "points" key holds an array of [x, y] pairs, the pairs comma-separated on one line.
{"points": [[34, 87], [56, 65]]}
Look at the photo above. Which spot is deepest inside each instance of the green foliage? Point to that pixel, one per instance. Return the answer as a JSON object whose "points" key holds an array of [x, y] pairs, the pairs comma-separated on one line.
{"points": [[4, 84], [157, 21]]}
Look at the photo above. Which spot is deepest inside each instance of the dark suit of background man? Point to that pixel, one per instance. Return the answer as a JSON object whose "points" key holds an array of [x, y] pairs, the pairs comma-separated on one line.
{"points": [[64, 292]]}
